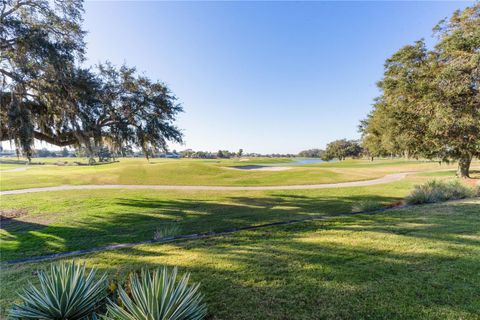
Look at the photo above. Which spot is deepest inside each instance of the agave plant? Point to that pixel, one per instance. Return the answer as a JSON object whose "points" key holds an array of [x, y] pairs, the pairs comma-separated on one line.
{"points": [[158, 296], [66, 292]]}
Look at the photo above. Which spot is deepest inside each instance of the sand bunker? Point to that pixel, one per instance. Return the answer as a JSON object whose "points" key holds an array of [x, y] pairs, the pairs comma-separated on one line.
{"points": [[258, 168]]}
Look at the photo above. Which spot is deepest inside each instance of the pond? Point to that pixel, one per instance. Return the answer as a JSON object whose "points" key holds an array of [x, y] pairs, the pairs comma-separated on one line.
{"points": [[308, 161]]}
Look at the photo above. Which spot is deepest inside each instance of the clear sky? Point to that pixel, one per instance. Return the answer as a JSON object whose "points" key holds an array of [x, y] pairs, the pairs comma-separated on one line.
{"points": [[263, 76]]}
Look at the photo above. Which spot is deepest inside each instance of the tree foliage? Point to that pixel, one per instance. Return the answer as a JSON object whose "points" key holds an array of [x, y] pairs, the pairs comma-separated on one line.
{"points": [[430, 101], [311, 153], [341, 149], [47, 95]]}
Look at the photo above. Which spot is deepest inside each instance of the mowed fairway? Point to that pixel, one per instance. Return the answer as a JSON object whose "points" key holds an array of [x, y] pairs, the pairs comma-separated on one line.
{"points": [[205, 172], [417, 263], [53, 222]]}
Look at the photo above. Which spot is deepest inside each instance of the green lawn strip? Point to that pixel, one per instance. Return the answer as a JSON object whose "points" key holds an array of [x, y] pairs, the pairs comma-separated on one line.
{"points": [[201, 172], [79, 219], [4, 166], [415, 263]]}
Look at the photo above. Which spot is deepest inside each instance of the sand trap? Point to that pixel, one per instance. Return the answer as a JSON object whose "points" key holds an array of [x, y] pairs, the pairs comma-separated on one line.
{"points": [[258, 168]]}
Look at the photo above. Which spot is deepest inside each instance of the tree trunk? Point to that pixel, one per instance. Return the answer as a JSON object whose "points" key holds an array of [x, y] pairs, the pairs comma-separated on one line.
{"points": [[463, 170]]}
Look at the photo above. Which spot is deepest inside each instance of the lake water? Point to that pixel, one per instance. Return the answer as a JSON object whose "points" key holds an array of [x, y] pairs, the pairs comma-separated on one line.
{"points": [[308, 161], [295, 162]]}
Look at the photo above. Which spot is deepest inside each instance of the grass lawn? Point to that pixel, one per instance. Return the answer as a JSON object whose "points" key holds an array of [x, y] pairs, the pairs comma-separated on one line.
{"points": [[206, 172], [7, 166], [416, 263], [52, 222]]}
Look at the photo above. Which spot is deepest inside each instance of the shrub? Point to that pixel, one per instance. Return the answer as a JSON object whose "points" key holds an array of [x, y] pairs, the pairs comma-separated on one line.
{"points": [[437, 191], [366, 206], [158, 295], [66, 292]]}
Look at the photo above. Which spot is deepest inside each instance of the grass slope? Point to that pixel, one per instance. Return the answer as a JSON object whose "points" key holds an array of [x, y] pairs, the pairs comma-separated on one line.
{"points": [[417, 263], [206, 172], [53, 222]]}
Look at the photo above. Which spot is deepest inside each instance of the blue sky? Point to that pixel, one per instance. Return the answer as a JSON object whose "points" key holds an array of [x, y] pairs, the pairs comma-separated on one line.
{"points": [[263, 76]]}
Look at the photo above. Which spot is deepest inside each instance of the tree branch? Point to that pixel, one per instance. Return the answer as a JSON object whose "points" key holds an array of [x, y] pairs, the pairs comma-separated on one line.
{"points": [[55, 140]]}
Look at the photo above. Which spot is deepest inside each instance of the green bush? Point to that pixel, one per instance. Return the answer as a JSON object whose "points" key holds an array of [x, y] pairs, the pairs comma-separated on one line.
{"points": [[158, 296], [438, 191], [66, 292], [366, 206]]}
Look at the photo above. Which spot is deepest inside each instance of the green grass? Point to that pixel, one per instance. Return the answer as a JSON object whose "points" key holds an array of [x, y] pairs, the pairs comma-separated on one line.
{"points": [[420, 263], [416, 263], [437, 174], [79, 219], [6, 166], [204, 172]]}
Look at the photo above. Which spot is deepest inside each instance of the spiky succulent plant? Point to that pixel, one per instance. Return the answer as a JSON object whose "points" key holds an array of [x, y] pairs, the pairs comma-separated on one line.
{"points": [[66, 292], [158, 295]]}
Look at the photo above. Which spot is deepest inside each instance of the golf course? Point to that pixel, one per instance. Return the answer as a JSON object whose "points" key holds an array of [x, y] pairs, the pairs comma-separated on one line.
{"points": [[350, 263], [239, 160]]}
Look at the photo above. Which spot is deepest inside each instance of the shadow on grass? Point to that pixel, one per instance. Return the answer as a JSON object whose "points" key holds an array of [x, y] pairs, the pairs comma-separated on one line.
{"points": [[422, 263], [389, 266], [135, 219]]}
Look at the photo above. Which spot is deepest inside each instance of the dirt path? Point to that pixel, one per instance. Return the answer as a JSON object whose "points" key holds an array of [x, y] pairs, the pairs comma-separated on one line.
{"points": [[386, 179]]}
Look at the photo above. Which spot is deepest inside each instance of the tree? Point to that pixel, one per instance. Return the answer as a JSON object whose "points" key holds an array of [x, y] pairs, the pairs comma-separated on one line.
{"points": [[46, 96], [65, 152], [240, 153], [132, 110], [341, 149], [376, 138], [430, 102], [39, 42], [311, 153]]}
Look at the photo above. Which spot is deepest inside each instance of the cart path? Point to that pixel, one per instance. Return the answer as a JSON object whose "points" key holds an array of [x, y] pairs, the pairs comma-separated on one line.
{"points": [[21, 169], [386, 179], [362, 183]]}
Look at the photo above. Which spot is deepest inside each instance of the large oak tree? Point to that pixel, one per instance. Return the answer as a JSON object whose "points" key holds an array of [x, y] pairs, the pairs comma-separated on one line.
{"points": [[47, 93], [430, 102]]}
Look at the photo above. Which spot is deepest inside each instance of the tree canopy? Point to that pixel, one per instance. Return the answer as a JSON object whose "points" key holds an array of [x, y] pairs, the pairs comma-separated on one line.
{"points": [[311, 153], [341, 149], [47, 93], [430, 102]]}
